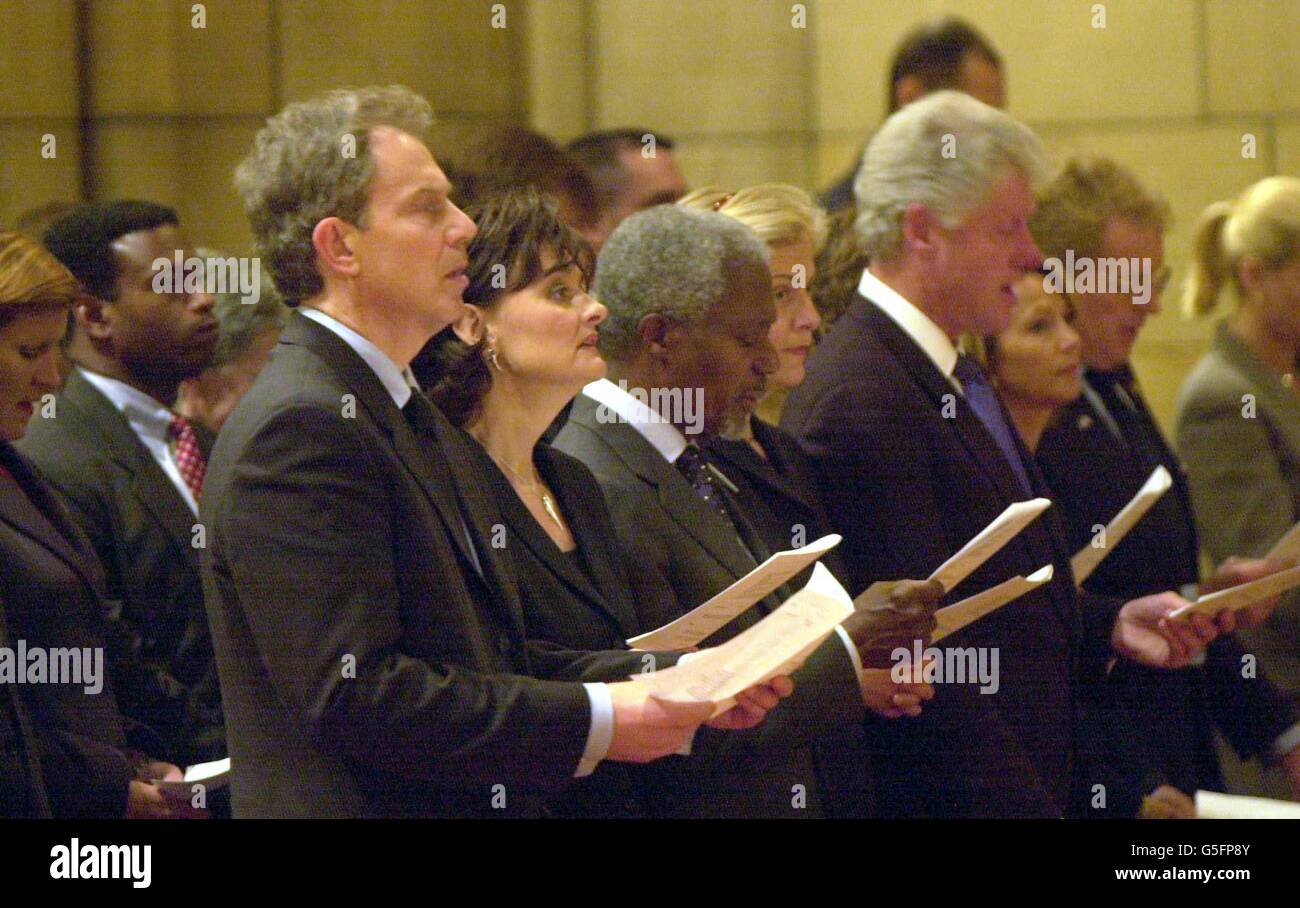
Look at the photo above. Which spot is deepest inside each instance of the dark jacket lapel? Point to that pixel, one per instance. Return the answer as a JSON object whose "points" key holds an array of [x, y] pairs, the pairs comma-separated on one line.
{"points": [[59, 534], [975, 438], [359, 380], [149, 484], [691, 514]]}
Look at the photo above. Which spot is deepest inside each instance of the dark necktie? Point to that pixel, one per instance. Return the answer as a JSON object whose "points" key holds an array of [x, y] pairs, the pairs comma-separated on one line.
{"points": [[984, 401], [694, 467], [1119, 390], [419, 412]]}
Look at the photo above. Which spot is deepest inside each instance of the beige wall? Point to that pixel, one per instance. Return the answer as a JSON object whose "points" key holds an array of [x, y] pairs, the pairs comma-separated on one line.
{"points": [[752, 90], [1167, 87], [163, 110]]}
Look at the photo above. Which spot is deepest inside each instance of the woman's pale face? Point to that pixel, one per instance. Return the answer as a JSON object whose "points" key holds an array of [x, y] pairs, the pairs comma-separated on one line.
{"points": [[546, 333], [1278, 291], [792, 266], [1039, 356], [29, 367]]}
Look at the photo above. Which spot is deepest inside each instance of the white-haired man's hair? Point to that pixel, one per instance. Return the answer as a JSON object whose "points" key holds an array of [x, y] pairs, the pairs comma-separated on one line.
{"points": [[672, 261], [947, 152]]}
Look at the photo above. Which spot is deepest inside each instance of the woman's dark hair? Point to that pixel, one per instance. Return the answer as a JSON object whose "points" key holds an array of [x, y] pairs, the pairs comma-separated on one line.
{"points": [[514, 229]]}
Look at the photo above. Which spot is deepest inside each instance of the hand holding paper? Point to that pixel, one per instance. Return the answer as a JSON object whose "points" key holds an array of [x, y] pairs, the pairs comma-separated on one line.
{"points": [[1243, 595], [700, 622], [777, 645], [890, 614]]}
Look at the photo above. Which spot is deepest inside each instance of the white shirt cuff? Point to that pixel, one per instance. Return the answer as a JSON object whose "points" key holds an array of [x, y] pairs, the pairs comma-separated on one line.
{"points": [[1286, 742], [853, 651], [601, 735]]}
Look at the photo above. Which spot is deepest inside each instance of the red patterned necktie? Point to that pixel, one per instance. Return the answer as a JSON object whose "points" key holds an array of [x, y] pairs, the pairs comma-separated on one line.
{"points": [[188, 456]]}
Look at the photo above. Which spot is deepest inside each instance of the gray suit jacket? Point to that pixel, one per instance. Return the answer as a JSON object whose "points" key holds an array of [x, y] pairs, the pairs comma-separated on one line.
{"points": [[1238, 432], [679, 553]]}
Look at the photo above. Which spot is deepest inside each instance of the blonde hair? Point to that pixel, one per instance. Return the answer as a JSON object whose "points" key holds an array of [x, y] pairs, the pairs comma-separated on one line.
{"points": [[1263, 222], [31, 278], [778, 212]]}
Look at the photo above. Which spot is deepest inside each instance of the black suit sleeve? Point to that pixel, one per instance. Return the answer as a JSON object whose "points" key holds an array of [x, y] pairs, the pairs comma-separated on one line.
{"points": [[309, 549], [155, 698], [1250, 711]]}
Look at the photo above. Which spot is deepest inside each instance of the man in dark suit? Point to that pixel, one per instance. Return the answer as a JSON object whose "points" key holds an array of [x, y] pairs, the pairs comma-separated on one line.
{"points": [[371, 648], [131, 470], [915, 455], [1097, 453], [690, 304]]}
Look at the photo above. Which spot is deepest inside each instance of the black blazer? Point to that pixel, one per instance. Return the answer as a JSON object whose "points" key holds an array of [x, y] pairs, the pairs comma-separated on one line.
{"points": [[906, 488], [778, 494], [1093, 471], [22, 785], [160, 651], [371, 648], [578, 600], [678, 553], [51, 586]]}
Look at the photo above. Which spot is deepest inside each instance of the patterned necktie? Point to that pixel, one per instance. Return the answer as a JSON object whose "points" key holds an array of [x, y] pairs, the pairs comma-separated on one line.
{"points": [[190, 460], [984, 401], [1120, 392], [694, 467]]}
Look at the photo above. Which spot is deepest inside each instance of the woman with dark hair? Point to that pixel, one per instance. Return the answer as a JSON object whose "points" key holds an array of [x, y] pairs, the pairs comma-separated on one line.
{"points": [[522, 351], [51, 585]]}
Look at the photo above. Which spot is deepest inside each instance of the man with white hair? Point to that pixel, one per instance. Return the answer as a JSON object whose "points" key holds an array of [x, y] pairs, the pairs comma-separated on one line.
{"points": [[915, 455]]}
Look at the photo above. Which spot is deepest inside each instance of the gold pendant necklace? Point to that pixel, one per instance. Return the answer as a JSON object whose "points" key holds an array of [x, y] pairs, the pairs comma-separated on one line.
{"points": [[536, 487]]}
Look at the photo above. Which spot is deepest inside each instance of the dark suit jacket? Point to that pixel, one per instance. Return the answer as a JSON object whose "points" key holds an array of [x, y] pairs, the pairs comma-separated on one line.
{"points": [[679, 552], [160, 651], [1093, 470], [577, 600], [22, 785], [51, 586], [907, 487], [371, 653], [778, 494]]}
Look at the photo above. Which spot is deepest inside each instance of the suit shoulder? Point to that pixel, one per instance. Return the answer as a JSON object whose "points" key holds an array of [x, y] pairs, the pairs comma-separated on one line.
{"points": [[1213, 385]]}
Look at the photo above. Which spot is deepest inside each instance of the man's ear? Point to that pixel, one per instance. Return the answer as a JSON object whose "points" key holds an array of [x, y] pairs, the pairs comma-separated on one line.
{"points": [[921, 229], [334, 240], [470, 327], [92, 315], [659, 334]]}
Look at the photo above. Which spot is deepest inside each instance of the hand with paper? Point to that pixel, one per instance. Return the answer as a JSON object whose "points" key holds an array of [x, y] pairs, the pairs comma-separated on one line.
{"points": [[647, 728], [1146, 631], [891, 614], [1236, 571]]}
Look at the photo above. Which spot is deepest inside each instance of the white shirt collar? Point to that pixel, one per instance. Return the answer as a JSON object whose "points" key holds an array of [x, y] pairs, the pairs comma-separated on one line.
{"points": [[915, 323], [147, 416], [396, 380], [666, 438]]}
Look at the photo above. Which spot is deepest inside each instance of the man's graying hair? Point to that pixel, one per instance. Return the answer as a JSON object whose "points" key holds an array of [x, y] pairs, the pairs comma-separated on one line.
{"points": [[312, 161], [671, 261], [912, 160]]}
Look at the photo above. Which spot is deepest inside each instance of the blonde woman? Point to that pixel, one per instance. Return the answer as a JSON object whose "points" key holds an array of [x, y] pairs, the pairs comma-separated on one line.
{"points": [[1238, 424]]}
